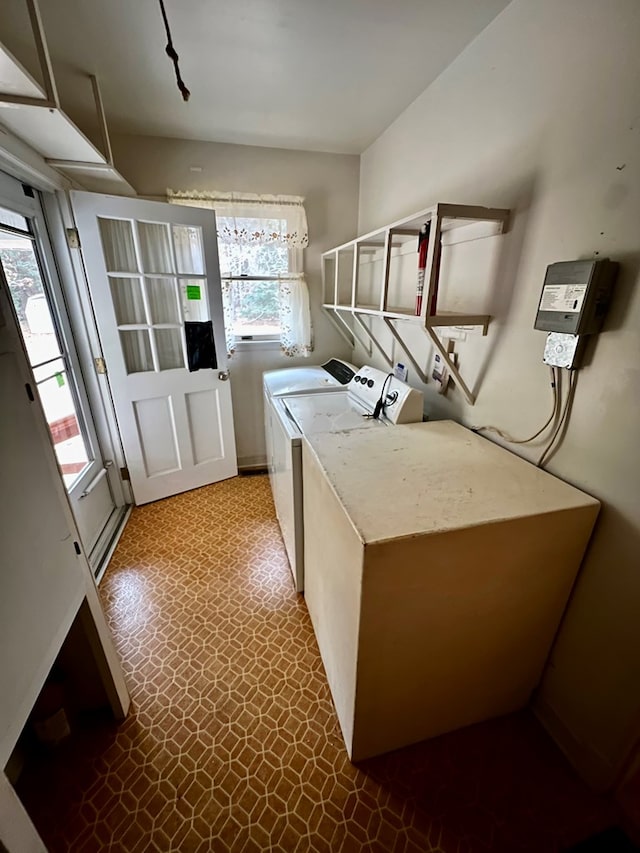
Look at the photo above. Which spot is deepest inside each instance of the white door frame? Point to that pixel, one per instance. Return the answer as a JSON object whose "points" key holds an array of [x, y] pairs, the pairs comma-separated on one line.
{"points": [[49, 233], [59, 216]]}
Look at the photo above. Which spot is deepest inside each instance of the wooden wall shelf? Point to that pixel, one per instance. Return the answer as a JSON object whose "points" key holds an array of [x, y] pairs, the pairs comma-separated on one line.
{"points": [[32, 112], [342, 286]]}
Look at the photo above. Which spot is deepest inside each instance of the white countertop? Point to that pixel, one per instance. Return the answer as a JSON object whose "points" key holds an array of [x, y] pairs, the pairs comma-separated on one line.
{"points": [[432, 477]]}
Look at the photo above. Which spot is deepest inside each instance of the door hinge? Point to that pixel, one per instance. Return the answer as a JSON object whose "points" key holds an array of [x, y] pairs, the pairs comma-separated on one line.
{"points": [[77, 547], [124, 474], [29, 391], [73, 238], [101, 365]]}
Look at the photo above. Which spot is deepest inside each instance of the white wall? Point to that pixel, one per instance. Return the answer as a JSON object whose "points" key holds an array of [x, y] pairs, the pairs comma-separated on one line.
{"points": [[328, 182], [541, 114]]}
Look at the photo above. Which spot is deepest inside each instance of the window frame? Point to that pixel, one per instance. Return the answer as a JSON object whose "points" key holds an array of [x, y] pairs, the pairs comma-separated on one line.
{"points": [[295, 259]]}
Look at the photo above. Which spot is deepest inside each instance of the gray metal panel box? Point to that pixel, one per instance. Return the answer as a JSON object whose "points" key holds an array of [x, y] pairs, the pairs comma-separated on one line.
{"points": [[575, 296]]}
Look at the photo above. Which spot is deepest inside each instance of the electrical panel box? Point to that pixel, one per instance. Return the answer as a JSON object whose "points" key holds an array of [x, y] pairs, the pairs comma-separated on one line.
{"points": [[575, 296]]}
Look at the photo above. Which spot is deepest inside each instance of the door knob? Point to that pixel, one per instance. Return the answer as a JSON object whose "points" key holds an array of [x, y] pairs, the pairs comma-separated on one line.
{"points": [[223, 375]]}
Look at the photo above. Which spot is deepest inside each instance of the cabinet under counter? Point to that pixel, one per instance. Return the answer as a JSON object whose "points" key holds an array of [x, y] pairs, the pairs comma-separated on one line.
{"points": [[437, 569]]}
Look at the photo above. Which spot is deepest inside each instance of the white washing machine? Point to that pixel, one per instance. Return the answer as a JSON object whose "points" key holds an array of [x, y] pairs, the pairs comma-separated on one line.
{"points": [[333, 375], [372, 399]]}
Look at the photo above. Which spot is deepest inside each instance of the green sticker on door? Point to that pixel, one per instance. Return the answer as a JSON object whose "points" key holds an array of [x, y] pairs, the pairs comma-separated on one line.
{"points": [[60, 379], [193, 291]]}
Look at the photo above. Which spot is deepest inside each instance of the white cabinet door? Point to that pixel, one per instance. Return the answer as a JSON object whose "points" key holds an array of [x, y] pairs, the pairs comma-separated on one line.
{"points": [[151, 267]]}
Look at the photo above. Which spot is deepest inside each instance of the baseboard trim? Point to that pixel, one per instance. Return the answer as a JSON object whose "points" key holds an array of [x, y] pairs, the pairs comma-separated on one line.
{"points": [[101, 568], [596, 771], [249, 463]]}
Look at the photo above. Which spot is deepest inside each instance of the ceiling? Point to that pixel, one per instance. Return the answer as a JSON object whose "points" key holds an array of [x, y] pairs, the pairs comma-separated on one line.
{"points": [[324, 75]]}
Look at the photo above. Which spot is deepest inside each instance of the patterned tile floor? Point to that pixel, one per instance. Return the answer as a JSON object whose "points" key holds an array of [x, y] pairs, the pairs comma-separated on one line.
{"points": [[232, 743]]}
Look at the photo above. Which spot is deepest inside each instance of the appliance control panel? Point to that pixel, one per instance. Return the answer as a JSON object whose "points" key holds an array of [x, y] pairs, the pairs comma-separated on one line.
{"points": [[401, 404]]}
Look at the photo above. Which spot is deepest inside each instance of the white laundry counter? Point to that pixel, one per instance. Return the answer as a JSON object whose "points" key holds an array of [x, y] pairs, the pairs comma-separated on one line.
{"points": [[438, 566]]}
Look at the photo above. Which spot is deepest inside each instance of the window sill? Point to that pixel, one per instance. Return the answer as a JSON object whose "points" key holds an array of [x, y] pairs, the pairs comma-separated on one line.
{"points": [[253, 346]]}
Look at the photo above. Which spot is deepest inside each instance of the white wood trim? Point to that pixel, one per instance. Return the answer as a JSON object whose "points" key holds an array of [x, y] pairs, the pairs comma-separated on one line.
{"points": [[43, 52], [102, 119], [450, 211], [17, 833], [99, 638], [59, 216]]}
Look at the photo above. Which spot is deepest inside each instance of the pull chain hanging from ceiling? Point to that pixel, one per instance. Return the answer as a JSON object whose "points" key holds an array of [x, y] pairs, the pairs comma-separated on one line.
{"points": [[173, 56]]}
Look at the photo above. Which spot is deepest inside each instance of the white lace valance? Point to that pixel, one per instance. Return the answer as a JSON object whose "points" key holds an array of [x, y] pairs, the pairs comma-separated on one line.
{"points": [[246, 218]]}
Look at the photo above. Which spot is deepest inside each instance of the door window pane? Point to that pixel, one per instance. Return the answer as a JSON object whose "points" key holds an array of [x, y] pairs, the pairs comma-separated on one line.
{"points": [[136, 350], [29, 298], [49, 369], [163, 300], [35, 313], [187, 241], [169, 346], [117, 244], [60, 411], [193, 293], [127, 300], [154, 244]]}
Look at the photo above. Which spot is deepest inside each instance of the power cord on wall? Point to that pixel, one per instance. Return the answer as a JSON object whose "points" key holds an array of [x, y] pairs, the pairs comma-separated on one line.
{"points": [[555, 388], [560, 414], [560, 431]]}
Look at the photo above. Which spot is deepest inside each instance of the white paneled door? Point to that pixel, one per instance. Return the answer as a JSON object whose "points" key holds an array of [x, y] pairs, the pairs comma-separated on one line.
{"points": [[153, 267]]}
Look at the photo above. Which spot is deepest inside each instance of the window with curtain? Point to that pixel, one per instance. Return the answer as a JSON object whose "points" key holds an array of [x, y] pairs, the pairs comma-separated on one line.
{"points": [[260, 243]]}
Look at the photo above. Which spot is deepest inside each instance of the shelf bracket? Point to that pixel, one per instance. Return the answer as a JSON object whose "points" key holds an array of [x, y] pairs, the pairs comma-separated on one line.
{"points": [[104, 134], [340, 326], [377, 343], [50, 100], [44, 58], [102, 119], [453, 370], [405, 348]]}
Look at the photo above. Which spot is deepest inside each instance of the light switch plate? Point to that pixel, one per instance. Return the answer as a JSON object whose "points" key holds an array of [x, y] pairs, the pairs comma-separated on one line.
{"points": [[400, 371]]}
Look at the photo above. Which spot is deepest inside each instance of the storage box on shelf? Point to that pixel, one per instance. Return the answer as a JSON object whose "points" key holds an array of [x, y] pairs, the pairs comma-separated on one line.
{"points": [[385, 274]]}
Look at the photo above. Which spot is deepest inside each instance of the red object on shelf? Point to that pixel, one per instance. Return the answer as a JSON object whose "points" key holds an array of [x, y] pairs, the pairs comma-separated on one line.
{"points": [[423, 246], [434, 297]]}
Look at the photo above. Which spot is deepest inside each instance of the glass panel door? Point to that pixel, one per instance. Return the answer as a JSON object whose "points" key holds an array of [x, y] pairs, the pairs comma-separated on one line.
{"points": [[32, 303], [152, 267], [151, 301]]}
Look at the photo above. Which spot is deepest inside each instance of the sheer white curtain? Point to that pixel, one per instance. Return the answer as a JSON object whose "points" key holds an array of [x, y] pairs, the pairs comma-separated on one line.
{"points": [[249, 222]]}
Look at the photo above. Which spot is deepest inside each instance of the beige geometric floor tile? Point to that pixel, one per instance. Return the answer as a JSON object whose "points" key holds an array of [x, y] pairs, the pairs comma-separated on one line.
{"points": [[232, 743]]}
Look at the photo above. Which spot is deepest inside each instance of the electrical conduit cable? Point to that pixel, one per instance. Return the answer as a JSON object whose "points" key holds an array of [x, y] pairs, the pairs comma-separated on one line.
{"points": [[556, 404]]}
